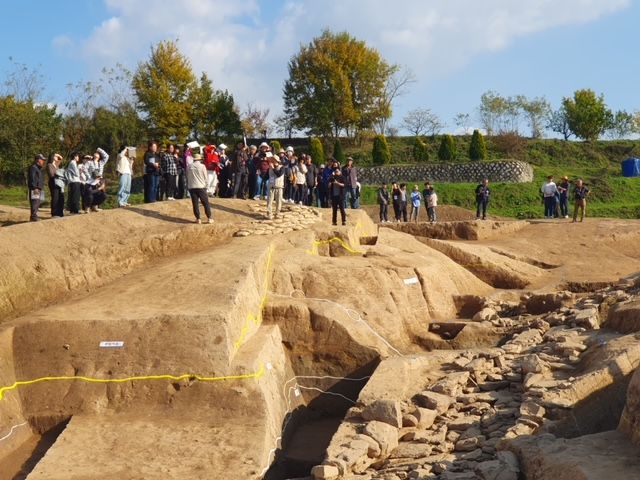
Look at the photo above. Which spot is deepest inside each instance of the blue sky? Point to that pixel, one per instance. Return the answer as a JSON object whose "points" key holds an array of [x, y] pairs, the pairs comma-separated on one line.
{"points": [[457, 49]]}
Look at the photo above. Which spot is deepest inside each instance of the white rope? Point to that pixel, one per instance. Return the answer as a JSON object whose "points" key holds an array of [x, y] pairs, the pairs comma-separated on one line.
{"points": [[15, 427]]}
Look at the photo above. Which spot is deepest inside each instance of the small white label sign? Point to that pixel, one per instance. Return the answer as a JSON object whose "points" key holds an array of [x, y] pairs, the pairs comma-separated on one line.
{"points": [[111, 344], [296, 392], [411, 281]]}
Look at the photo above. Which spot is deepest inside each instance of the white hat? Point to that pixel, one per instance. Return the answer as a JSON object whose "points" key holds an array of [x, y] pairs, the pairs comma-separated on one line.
{"points": [[222, 146], [289, 148], [269, 155], [264, 144]]}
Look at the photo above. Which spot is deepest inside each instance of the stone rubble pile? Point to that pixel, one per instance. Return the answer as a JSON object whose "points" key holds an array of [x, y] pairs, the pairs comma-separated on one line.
{"points": [[292, 218], [458, 427]]}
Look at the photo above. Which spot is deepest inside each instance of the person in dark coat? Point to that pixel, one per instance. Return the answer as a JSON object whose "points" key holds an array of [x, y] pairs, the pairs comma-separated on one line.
{"points": [[383, 200], [56, 185], [240, 169], [482, 199], [35, 184], [337, 190]]}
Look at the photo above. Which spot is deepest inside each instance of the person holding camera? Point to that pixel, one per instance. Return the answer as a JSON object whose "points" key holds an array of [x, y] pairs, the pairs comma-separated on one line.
{"points": [[336, 190], [580, 193]]}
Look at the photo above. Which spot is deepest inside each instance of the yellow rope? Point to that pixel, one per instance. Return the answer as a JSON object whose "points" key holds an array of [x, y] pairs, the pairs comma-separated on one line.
{"points": [[176, 378]]}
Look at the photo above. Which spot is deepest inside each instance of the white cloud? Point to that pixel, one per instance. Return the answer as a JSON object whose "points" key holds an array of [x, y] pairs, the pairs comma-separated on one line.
{"points": [[246, 49]]}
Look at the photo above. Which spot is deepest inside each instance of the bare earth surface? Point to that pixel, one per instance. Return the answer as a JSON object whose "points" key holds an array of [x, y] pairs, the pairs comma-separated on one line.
{"points": [[257, 348]]}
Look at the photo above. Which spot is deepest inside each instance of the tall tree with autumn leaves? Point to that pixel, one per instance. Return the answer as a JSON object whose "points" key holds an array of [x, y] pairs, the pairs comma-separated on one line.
{"points": [[335, 85]]}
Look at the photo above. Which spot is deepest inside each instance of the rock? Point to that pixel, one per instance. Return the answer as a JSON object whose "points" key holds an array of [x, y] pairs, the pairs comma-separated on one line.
{"points": [[532, 364], [425, 417], [435, 401], [468, 444], [532, 411], [496, 470], [384, 434], [325, 472], [242, 233], [587, 318], [409, 420], [464, 422], [485, 315], [387, 411], [452, 384]]}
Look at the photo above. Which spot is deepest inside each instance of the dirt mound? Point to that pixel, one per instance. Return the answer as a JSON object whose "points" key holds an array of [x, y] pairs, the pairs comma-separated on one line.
{"points": [[172, 340], [446, 213]]}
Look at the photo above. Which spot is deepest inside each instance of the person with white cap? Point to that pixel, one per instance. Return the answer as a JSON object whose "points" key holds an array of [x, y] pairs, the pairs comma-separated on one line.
{"points": [[197, 182], [276, 185]]}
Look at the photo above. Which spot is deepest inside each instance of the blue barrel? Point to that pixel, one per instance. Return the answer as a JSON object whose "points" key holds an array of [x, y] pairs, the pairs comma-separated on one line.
{"points": [[631, 167]]}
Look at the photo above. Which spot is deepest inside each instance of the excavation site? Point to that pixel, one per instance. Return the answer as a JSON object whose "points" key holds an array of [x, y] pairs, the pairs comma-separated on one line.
{"points": [[135, 344]]}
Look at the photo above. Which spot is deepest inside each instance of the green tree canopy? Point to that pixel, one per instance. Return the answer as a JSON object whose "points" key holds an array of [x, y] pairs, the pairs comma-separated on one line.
{"points": [[587, 114], [163, 86], [420, 150], [338, 153], [335, 85], [316, 150], [380, 153], [477, 147], [214, 112], [447, 149]]}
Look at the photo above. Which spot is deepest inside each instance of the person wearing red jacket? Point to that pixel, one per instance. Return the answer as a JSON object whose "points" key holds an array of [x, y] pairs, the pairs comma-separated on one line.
{"points": [[212, 164]]}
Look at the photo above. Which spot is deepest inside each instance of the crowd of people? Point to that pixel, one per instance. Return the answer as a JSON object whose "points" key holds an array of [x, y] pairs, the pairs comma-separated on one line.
{"points": [[249, 172]]}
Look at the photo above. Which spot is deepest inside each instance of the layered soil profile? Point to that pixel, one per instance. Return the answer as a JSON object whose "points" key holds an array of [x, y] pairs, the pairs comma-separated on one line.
{"points": [[136, 344]]}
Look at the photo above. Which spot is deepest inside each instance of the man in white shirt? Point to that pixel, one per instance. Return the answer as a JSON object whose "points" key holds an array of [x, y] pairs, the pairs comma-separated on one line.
{"points": [[549, 191], [197, 182]]}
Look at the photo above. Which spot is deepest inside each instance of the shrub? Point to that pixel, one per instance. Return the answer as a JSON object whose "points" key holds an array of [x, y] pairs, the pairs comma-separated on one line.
{"points": [[477, 148], [380, 153], [420, 150], [316, 150], [275, 146], [338, 153], [447, 149], [509, 145]]}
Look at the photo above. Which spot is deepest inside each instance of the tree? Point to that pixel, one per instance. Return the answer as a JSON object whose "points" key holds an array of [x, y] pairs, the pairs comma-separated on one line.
{"points": [[381, 154], [462, 121], [477, 148], [492, 109], [420, 150], [255, 121], [447, 151], [420, 121], [536, 110], [587, 114], [396, 86], [23, 84], [275, 146], [26, 128], [335, 85], [283, 125], [338, 153], [557, 122], [214, 112], [316, 150], [622, 125], [163, 86]]}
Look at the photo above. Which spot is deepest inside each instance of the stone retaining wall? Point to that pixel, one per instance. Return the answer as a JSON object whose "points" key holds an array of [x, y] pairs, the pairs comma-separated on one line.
{"points": [[511, 172]]}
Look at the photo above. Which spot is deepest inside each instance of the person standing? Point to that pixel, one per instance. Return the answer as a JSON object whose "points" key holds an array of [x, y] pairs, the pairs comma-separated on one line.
{"points": [[416, 203], [321, 188], [169, 171], [252, 167], [432, 203], [84, 179], [124, 168], [240, 170], [549, 191], [563, 189], [276, 185], [336, 190], [350, 173], [301, 182], [75, 185], [35, 184], [197, 183], [312, 173], [403, 202], [262, 172], [395, 200], [580, 194], [383, 200], [151, 172], [483, 194], [56, 185]]}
